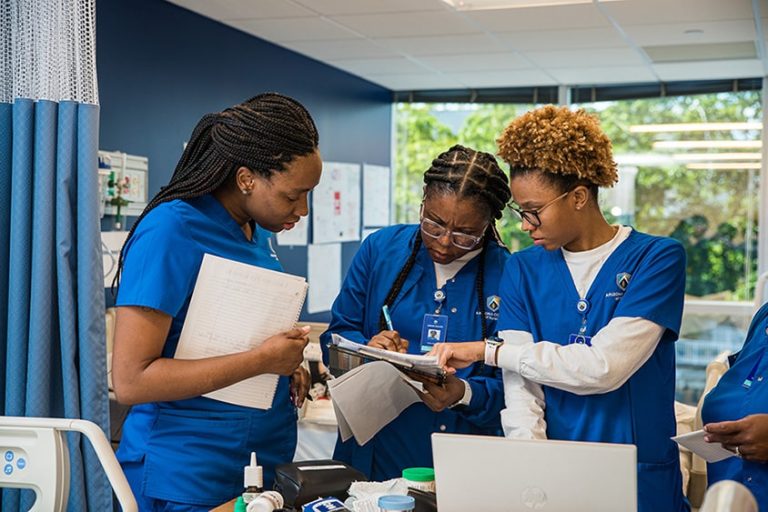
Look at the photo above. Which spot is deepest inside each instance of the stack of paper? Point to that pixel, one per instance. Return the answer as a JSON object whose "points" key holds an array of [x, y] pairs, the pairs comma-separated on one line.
{"points": [[711, 452], [234, 308], [356, 412]]}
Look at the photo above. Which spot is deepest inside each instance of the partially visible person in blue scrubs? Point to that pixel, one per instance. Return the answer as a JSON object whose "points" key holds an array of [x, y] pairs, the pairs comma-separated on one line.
{"points": [[244, 174], [590, 313], [439, 279], [735, 414]]}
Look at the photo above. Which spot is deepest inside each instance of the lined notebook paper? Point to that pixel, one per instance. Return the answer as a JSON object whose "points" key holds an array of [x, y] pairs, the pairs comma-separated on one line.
{"points": [[234, 308]]}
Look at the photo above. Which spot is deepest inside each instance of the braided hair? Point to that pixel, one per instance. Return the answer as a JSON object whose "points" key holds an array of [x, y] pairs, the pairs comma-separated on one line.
{"points": [[465, 173], [263, 134]]}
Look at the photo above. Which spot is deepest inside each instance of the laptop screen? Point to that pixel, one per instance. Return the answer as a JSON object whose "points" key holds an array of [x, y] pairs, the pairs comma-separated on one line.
{"points": [[495, 474]]}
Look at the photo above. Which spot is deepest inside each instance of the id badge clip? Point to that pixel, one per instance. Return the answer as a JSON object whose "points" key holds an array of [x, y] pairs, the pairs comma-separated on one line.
{"points": [[434, 329]]}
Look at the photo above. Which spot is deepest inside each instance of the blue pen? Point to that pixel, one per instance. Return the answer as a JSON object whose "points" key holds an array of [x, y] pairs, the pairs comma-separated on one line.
{"points": [[387, 318]]}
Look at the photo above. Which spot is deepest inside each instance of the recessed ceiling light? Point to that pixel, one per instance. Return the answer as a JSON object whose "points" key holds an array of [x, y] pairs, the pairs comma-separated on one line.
{"points": [[479, 5], [713, 144], [705, 157], [693, 127]]}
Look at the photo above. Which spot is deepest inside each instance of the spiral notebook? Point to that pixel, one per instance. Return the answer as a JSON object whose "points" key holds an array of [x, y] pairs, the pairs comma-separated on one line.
{"points": [[234, 308]]}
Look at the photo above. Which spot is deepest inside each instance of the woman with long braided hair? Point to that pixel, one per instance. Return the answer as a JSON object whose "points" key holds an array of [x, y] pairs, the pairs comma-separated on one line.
{"points": [[246, 172], [439, 280]]}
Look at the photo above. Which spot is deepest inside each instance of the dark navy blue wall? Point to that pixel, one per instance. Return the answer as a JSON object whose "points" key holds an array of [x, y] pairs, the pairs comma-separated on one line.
{"points": [[162, 67]]}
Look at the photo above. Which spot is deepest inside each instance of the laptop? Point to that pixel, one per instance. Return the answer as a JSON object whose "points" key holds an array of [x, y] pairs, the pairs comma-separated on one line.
{"points": [[495, 474]]}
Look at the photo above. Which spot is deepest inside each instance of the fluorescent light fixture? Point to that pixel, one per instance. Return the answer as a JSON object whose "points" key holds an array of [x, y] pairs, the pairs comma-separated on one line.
{"points": [[693, 127], [706, 157], [707, 144], [481, 5], [724, 166]]}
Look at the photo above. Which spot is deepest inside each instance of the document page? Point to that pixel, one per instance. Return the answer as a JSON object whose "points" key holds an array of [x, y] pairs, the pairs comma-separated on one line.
{"points": [[234, 308], [711, 452]]}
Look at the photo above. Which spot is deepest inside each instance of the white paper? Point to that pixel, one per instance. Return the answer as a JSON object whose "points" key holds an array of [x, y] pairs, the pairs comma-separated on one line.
{"points": [[376, 182], [360, 416], [234, 308], [295, 236], [111, 243], [711, 452], [336, 204], [324, 276]]}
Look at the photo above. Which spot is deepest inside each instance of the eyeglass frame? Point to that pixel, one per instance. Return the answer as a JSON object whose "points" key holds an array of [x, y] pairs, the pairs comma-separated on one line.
{"points": [[477, 239], [532, 216]]}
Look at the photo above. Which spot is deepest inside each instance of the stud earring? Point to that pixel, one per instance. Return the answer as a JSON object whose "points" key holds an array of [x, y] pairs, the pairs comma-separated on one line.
{"points": [[246, 191]]}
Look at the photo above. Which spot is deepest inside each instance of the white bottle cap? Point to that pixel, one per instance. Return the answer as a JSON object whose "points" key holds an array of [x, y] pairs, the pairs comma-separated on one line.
{"points": [[253, 475]]}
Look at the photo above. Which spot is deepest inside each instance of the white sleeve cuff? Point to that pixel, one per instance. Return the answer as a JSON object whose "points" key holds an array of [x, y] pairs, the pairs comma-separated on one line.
{"points": [[467, 398], [509, 354]]}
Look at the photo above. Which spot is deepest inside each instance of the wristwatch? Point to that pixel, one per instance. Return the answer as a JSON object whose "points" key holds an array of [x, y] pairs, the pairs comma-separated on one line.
{"points": [[492, 346]]}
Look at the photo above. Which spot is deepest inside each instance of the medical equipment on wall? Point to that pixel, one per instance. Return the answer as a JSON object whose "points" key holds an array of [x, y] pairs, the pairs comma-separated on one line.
{"points": [[123, 183], [36, 457]]}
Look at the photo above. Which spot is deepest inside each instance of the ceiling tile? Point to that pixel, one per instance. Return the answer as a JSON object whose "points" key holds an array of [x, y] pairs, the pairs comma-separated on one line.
{"points": [[444, 45], [338, 7], [525, 77], [675, 33], [603, 37], [605, 75], [475, 62], [549, 18], [413, 24], [341, 49], [238, 9], [407, 82], [709, 70], [293, 29], [650, 12], [594, 57], [381, 66]]}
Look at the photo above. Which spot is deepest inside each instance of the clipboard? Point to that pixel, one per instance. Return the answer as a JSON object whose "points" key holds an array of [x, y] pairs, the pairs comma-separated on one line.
{"points": [[342, 360]]}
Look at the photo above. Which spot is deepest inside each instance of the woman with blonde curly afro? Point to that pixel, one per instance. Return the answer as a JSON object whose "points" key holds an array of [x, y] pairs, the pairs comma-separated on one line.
{"points": [[589, 314]]}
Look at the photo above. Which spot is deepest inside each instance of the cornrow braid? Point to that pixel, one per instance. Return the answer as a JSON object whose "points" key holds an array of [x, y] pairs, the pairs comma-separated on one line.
{"points": [[398, 284], [465, 173], [263, 134]]}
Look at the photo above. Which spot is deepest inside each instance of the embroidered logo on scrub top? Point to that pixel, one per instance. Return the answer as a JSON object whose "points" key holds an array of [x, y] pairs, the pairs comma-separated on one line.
{"points": [[492, 305], [622, 280]]}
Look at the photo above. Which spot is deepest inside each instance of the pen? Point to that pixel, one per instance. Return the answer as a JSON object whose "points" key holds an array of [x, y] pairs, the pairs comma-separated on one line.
{"points": [[387, 318]]}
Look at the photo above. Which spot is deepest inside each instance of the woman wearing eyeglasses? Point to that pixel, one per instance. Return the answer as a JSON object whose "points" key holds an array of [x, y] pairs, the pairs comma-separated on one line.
{"points": [[589, 315], [439, 280]]}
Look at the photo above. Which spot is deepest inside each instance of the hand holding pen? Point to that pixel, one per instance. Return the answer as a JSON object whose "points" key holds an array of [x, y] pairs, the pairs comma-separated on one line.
{"points": [[389, 339]]}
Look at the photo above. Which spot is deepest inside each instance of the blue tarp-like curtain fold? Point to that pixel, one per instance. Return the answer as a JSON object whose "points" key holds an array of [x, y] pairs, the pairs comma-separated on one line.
{"points": [[52, 317]]}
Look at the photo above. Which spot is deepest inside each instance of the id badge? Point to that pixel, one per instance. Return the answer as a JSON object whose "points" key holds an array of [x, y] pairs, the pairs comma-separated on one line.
{"points": [[580, 339], [433, 330]]}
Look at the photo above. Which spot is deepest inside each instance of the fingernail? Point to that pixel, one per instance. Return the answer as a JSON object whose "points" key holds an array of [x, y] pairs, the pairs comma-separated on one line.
{"points": [[306, 328]]}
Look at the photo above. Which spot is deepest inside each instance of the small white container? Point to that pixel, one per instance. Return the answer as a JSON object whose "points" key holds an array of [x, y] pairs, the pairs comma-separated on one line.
{"points": [[396, 503], [422, 479]]}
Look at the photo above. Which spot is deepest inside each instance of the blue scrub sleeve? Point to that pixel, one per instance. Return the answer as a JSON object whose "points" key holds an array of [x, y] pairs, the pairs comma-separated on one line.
{"points": [[656, 291], [348, 310], [160, 266], [513, 312]]}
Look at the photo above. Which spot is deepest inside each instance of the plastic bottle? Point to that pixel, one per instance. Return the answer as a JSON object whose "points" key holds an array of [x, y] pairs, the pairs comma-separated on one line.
{"points": [[267, 501], [397, 503], [420, 478], [253, 481]]}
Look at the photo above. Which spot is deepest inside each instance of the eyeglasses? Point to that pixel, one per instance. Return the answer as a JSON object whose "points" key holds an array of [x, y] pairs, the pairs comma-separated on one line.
{"points": [[532, 216], [461, 240]]}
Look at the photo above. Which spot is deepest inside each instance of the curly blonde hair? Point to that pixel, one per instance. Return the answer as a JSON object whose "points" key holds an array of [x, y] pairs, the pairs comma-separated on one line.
{"points": [[559, 141]]}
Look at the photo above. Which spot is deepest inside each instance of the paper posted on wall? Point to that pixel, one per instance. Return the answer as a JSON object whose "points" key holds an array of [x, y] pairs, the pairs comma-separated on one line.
{"points": [[234, 308]]}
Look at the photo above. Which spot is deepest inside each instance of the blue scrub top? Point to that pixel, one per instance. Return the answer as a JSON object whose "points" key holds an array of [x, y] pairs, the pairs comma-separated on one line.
{"points": [[644, 277], [194, 450], [406, 441], [730, 400]]}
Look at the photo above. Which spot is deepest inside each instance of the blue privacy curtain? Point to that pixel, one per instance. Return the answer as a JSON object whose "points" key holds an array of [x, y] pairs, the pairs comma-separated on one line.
{"points": [[52, 341]]}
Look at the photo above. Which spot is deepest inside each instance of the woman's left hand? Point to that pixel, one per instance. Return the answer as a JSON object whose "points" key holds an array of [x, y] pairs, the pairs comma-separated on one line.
{"points": [[300, 381], [438, 398], [748, 437]]}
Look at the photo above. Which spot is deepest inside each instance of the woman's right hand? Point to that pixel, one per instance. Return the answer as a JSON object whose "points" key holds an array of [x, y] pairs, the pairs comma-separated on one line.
{"points": [[284, 352], [389, 340]]}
